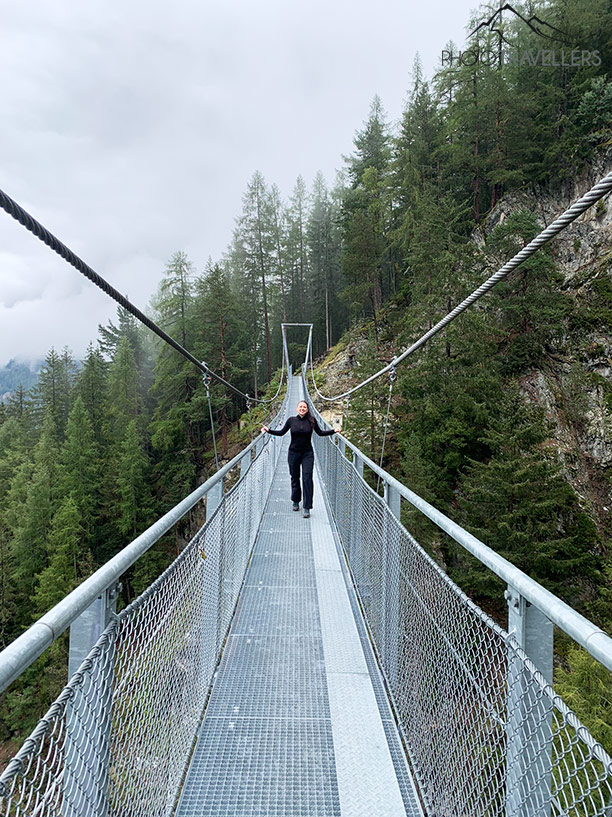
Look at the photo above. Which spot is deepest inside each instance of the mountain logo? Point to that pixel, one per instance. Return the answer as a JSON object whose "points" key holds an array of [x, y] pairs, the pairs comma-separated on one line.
{"points": [[540, 27], [565, 55]]}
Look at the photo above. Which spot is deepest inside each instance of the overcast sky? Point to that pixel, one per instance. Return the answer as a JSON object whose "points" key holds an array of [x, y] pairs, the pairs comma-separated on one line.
{"points": [[131, 129]]}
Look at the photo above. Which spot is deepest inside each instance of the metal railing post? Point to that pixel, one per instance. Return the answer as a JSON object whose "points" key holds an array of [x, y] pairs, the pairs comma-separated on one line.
{"points": [[245, 464], [391, 580], [89, 626], [85, 784], [356, 511], [213, 498], [530, 735]]}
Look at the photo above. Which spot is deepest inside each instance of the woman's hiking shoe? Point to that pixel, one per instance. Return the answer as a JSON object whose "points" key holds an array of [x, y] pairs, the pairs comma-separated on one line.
{"points": [[306, 513], [296, 506]]}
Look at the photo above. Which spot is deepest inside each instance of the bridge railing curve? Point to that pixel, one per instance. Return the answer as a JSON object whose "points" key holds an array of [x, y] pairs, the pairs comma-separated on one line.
{"points": [[118, 738], [485, 732]]}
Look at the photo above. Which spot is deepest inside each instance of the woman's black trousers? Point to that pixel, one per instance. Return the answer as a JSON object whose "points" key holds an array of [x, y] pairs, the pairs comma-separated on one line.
{"points": [[305, 461]]}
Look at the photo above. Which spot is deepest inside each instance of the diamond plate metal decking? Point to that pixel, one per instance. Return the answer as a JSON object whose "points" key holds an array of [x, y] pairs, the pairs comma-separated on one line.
{"points": [[298, 724]]}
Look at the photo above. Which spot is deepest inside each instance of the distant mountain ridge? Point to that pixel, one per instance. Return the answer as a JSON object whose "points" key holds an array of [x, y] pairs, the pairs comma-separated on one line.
{"points": [[15, 374]]}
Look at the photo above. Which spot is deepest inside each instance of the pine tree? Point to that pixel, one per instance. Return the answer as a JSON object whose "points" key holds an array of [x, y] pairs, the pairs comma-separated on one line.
{"points": [[221, 339], [253, 258], [69, 559], [133, 477], [366, 218], [92, 388], [279, 230], [31, 503], [518, 504], [446, 401], [124, 401], [127, 327], [531, 303], [324, 282], [12, 455], [296, 254], [180, 417], [80, 468], [53, 390]]}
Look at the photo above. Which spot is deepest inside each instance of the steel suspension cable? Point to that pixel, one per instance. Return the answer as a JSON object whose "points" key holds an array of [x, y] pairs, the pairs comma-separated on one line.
{"points": [[571, 214], [346, 415], [37, 229], [392, 378], [212, 424]]}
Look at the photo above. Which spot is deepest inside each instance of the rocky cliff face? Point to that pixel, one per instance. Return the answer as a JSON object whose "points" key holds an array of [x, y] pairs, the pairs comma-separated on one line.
{"points": [[574, 384]]}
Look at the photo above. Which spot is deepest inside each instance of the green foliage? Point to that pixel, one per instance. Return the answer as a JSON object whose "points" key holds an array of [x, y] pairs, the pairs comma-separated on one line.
{"points": [[586, 687], [517, 502], [31, 504], [448, 397], [532, 307], [80, 471], [52, 393], [69, 559], [92, 388], [595, 110], [133, 474], [594, 304], [365, 215], [89, 457]]}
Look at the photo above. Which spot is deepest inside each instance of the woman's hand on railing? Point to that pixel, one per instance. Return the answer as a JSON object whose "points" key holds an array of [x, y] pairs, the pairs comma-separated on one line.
{"points": [[264, 429]]}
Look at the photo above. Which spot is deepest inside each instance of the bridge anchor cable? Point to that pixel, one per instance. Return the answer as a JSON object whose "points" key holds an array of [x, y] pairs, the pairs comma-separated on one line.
{"points": [[596, 193]]}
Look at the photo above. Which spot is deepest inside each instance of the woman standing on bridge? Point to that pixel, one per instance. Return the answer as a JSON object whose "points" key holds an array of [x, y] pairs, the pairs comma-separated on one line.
{"points": [[301, 453]]}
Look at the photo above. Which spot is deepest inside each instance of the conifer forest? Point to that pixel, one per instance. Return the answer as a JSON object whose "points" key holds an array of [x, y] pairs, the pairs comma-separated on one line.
{"points": [[488, 421]]}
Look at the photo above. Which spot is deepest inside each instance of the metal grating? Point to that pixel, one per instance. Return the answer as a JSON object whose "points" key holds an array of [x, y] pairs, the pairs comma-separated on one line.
{"points": [[266, 745], [394, 741], [486, 735], [273, 767], [269, 744]]}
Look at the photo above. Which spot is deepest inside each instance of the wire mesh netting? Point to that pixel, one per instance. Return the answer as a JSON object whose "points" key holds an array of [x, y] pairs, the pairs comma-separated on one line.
{"points": [[118, 738], [486, 735]]}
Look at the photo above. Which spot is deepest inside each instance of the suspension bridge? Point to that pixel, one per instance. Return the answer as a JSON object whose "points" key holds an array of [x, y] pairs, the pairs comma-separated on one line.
{"points": [[285, 666]]}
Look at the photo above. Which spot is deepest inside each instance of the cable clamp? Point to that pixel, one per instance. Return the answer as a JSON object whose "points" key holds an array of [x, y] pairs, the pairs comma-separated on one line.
{"points": [[206, 377], [393, 373]]}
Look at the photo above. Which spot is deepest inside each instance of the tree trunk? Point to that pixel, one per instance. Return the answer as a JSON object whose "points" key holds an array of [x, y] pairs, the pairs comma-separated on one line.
{"points": [[224, 376], [327, 333]]}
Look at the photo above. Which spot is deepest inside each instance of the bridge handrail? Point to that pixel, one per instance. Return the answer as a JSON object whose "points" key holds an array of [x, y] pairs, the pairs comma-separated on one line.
{"points": [[595, 640], [22, 652]]}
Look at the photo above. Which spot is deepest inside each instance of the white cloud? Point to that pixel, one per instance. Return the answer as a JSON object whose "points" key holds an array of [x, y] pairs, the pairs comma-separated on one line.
{"points": [[131, 130]]}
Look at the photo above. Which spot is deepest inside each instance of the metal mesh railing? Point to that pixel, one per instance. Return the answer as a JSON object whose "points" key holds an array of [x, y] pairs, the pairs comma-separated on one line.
{"points": [[486, 734], [118, 738]]}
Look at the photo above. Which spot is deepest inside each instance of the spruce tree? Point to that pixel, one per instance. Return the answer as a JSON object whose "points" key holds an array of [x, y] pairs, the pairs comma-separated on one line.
{"points": [[221, 340], [296, 250], [53, 390], [92, 388], [530, 301], [365, 218], [80, 469], [517, 502], [180, 416], [69, 558], [324, 282], [32, 502], [133, 481], [254, 260]]}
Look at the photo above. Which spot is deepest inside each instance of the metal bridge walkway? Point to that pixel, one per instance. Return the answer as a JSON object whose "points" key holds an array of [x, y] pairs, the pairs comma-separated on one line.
{"points": [[298, 722]]}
